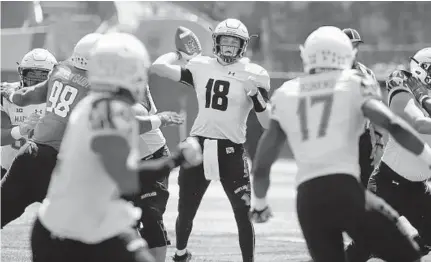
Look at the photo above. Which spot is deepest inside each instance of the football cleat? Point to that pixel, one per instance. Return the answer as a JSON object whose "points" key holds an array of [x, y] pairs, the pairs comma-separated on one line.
{"points": [[184, 258]]}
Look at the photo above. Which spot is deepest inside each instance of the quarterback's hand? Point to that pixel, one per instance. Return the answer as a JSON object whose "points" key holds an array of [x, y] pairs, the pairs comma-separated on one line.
{"points": [[170, 118], [191, 151], [418, 88], [260, 216], [29, 124], [252, 86]]}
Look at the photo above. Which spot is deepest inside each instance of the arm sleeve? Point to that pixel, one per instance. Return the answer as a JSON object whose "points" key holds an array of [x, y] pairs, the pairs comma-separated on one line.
{"points": [[186, 77]]}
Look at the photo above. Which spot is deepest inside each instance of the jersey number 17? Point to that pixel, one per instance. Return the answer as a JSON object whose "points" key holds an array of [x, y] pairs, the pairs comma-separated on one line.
{"points": [[307, 102]]}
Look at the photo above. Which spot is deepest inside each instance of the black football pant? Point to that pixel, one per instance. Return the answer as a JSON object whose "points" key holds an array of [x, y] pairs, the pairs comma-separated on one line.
{"points": [[234, 177], [153, 201], [330, 205], [46, 247], [365, 162], [27, 180]]}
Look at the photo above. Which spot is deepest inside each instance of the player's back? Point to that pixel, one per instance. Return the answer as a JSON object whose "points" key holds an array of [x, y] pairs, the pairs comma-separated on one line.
{"points": [[67, 85], [223, 102], [322, 119], [81, 189]]}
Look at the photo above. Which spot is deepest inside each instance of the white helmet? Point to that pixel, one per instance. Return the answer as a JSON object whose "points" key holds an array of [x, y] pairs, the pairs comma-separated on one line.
{"points": [[234, 28], [81, 52], [327, 47], [35, 66], [119, 61], [420, 65]]}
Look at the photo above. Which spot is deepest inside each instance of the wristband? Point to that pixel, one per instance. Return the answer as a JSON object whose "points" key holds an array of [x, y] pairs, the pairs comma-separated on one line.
{"points": [[15, 133], [156, 122], [259, 103], [258, 203]]}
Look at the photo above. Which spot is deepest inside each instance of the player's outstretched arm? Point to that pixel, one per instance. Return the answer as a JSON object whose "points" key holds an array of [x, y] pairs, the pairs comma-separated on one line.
{"points": [[400, 130], [148, 123], [29, 95], [268, 149], [164, 66], [404, 105], [189, 154]]}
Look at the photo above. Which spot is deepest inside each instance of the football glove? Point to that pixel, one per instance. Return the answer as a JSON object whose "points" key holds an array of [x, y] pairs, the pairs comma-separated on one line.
{"points": [[419, 89], [191, 151], [170, 118], [260, 216]]}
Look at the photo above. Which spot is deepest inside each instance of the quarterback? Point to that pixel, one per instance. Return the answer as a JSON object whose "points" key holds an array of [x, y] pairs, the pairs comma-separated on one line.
{"points": [[227, 87], [83, 217], [322, 115], [17, 122]]}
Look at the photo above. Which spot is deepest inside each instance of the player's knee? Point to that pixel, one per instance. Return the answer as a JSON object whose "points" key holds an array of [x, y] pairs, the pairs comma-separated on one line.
{"points": [[154, 232]]}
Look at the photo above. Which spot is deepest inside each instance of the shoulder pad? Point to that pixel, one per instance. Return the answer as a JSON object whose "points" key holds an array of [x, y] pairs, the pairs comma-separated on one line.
{"points": [[200, 59]]}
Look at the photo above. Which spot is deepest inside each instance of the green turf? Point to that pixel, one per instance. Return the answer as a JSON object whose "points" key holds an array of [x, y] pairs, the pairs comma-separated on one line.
{"points": [[214, 230]]}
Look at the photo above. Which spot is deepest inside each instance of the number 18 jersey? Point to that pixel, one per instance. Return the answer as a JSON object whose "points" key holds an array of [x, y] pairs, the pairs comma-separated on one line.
{"points": [[322, 117], [67, 85], [224, 105]]}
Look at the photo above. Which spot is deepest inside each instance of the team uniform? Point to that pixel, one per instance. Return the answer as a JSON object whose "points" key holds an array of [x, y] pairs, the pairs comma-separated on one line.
{"points": [[83, 217], [220, 127], [28, 177], [17, 116], [322, 118], [401, 178], [369, 136], [155, 195]]}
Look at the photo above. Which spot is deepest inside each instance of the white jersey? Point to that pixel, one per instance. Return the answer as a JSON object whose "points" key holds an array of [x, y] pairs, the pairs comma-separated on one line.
{"points": [[83, 202], [17, 116], [153, 140], [322, 118], [223, 102], [399, 159]]}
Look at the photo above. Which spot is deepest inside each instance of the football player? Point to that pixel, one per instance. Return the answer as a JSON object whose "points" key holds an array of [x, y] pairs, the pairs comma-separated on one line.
{"points": [[401, 178], [371, 142], [322, 116], [17, 122], [154, 194], [227, 87], [83, 217]]}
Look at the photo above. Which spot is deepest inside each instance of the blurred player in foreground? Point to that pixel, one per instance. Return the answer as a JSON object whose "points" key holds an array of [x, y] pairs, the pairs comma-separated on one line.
{"points": [[17, 122], [322, 116], [371, 142], [227, 87], [84, 217], [401, 178]]}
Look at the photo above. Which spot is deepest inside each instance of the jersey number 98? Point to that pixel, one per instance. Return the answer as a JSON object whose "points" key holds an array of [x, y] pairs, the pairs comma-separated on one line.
{"points": [[218, 100], [61, 98]]}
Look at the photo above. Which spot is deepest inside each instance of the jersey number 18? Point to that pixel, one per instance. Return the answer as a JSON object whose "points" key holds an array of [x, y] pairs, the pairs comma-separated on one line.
{"points": [[218, 100], [61, 98], [302, 112]]}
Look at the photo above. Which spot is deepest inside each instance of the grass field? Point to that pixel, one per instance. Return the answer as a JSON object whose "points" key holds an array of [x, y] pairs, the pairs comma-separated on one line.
{"points": [[214, 236]]}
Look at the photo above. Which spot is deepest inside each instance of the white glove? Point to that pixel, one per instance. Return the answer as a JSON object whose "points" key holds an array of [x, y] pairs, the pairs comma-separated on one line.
{"points": [[192, 152], [260, 216]]}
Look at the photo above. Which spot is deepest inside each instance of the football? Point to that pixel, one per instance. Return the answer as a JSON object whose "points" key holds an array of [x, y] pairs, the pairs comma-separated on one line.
{"points": [[187, 42]]}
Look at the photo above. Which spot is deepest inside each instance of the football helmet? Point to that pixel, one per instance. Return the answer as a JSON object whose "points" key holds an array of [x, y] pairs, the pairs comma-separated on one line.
{"points": [[81, 52], [35, 66], [354, 36], [420, 66], [119, 61], [327, 48], [230, 28]]}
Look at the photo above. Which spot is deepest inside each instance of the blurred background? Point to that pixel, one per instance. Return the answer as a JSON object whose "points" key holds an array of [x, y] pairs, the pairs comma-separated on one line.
{"points": [[392, 31]]}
